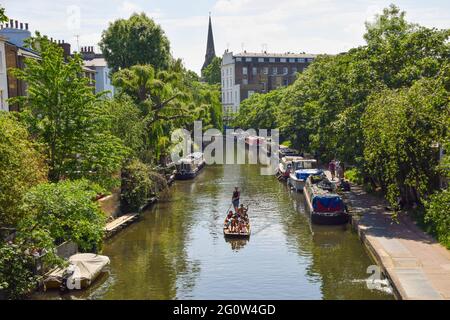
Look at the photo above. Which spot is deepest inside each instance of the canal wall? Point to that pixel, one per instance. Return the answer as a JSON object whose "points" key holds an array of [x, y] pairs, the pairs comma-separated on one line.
{"points": [[417, 266]]}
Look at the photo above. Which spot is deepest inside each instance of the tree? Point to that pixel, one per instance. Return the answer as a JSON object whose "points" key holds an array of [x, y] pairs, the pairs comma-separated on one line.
{"points": [[212, 73], [63, 211], [139, 184], [3, 17], [67, 117], [133, 41], [21, 167], [399, 153]]}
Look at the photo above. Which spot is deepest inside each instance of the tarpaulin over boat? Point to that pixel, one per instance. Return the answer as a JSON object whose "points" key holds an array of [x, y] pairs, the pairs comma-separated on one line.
{"points": [[328, 203], [303, 174]]}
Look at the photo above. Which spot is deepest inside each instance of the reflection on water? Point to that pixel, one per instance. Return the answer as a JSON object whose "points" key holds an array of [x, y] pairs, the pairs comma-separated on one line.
{"points": [[177, 250]]}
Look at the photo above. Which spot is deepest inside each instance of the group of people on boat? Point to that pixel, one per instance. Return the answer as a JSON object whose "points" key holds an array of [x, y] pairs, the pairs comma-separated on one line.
{"points": [[237, 221]]}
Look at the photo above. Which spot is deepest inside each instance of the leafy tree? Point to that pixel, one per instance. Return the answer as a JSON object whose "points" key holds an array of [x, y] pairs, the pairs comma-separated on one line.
{"points": [[3, 17], [212, 73], [139, 184], [399, 153], [63, 211], [67, 117], [126, 124], [16, 276], [438, 213], [260, 110], [134, 41], [21, 167]]}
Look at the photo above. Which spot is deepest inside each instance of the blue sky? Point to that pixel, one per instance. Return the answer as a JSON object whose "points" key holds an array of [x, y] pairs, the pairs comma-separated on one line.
{"points": [[313, 26]]}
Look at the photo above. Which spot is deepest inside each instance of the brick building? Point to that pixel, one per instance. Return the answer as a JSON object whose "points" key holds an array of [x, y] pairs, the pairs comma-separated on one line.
{"points": [[247, 73]]}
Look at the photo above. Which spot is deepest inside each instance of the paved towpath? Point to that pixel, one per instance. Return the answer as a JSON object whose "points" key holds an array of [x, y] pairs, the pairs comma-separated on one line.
{"points": [[417, 265]]}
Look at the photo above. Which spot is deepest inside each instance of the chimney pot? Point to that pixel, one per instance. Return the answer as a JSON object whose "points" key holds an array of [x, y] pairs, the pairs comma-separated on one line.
{"points": [[17, 24], [26, 26], [11, 23], [21, 26]]}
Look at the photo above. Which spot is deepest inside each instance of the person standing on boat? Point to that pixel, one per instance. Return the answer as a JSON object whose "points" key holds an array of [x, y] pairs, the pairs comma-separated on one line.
{"points": [[235, 199]]}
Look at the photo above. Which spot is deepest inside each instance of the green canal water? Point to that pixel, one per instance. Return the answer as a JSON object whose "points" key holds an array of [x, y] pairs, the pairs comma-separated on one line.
{"points": [[177, 249]]}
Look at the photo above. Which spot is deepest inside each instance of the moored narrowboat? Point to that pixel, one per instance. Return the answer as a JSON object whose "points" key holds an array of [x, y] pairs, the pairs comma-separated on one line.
{"points": [[325, 206], [190, 166], [301, 170]]}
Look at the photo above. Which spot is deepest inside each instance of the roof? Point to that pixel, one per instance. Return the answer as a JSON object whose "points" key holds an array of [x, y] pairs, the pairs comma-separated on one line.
{"points": [[96, 62], [275, 55]]}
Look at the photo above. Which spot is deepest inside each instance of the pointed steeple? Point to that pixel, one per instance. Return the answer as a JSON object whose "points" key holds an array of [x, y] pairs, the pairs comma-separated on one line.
{"points": [[210, 51]]}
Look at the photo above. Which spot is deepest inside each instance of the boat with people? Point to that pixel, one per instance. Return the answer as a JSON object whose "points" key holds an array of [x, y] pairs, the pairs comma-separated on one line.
{"points": [[189, 166], [324, 204], [301, 169], [285, 166], [237, 224]]}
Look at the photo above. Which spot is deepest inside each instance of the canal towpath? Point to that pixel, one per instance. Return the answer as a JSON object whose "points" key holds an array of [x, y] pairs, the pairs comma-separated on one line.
{"points": [[416, 264]]}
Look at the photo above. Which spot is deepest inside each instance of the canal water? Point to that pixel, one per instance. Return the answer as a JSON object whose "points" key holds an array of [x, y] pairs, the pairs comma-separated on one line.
{"points": [[177, 250]]}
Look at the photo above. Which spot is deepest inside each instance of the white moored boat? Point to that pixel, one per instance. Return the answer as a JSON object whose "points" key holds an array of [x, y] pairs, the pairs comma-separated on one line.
{"points": [[301, 170]]}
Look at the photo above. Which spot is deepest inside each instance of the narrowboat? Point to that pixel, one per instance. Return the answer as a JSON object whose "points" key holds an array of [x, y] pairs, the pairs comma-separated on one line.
{"points": [[254, 140], [285, 167], [301, 170], [190, 166], [325, 206]]}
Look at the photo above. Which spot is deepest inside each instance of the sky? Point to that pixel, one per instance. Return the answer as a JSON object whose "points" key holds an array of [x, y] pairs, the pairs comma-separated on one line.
{"points": [[311, 26]]}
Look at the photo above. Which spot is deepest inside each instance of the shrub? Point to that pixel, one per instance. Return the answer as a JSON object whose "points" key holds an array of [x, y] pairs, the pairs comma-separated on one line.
{"points": [[64, 211], [139, 184], [438, 213], [354, 176]]}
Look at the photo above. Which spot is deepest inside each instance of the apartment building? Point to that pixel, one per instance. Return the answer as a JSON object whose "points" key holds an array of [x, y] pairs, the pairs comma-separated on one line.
{"points": [[247, 73]]}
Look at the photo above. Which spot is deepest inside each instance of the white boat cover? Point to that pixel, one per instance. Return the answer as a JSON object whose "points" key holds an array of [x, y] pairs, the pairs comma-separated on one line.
{"points": [[85, 266]]}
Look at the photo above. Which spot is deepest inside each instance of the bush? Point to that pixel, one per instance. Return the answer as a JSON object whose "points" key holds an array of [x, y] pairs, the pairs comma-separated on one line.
{"points": [[21, 167], [16, 277], [64, 211], [139, 183], [354, 176], [438, 213]]}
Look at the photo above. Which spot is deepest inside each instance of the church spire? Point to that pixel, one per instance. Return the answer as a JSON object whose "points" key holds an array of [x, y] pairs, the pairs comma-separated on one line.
{"points": [[210, 51]]}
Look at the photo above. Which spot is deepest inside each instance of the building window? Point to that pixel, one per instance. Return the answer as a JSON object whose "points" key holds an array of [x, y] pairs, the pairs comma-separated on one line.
{"points": [[254, 71], [274, 70], [285, 70], [285, 82], [283, 60], [301, 60], [263, 86], [271, 59], [266, 70], [250, 93], [238, 59], [244, 81], [260, 59], [294, 70], [310, 59], [292, 60], [244, 70], [248, 59]]}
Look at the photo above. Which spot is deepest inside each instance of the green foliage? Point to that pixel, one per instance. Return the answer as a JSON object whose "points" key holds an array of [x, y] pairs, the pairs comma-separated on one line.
{"points": [[354, 176], [126, 124], [16, 276], [134, 41], [212, 73], [3, 17], [63, 211], [139, 184], [167, 100], [438, 212], [399, 153], [21, 167], [67, 118], [260, 111]]}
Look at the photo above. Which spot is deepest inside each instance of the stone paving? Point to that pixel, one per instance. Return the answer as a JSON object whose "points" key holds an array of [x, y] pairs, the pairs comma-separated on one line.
{"points": [[417, 265]]}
